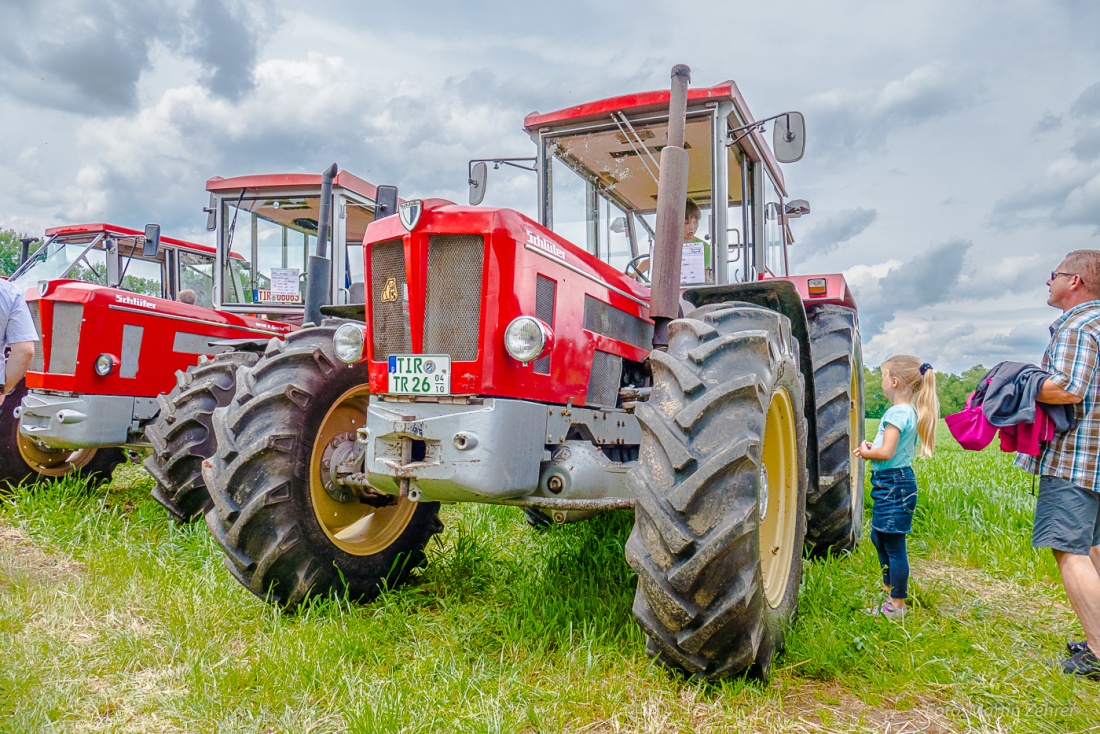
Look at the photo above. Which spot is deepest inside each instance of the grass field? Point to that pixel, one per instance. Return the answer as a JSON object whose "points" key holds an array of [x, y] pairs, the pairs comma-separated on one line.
{"points": [[113, 619]]}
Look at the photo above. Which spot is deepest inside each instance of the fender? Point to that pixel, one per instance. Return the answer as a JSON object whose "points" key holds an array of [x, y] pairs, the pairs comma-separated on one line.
{"points": [[782, 296]]}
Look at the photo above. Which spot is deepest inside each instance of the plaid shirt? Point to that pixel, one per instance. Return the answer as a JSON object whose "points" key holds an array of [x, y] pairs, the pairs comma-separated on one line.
{"points": [[1072, 358]]}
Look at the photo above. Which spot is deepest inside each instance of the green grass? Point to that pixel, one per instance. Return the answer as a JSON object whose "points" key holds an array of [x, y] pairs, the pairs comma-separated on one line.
{"points": [[114, 619]]}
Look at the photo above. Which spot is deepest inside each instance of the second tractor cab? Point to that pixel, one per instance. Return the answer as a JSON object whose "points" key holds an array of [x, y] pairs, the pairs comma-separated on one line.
{"points": [[510, 361]]}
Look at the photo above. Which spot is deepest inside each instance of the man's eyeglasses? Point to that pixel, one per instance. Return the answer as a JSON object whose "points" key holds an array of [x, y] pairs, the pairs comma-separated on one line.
{"points": [[1054, 274]]}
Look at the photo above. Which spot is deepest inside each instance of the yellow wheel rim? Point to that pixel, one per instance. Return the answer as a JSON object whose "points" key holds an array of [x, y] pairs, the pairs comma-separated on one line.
{"points": [[778, 497], [353, 527], [56, 463], [855, 420]]}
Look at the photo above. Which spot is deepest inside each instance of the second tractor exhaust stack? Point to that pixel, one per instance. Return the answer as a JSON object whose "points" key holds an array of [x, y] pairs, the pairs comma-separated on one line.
{"points": [[664, 303]]}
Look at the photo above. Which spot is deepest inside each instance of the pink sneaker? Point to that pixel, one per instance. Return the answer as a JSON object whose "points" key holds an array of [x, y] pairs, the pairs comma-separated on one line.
{"points": [[887, 609]]}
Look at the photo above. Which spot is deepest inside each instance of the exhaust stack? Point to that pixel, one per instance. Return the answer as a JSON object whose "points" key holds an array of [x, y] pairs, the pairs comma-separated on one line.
{"points": [[320, 266], [664, 303]]}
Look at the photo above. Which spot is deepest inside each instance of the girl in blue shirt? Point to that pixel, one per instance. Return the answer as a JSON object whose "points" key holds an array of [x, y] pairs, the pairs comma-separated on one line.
{"points": [[911, 386]]}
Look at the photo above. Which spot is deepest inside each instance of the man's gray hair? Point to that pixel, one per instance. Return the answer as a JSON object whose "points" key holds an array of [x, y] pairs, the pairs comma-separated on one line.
{"points": [[1086, 264]]}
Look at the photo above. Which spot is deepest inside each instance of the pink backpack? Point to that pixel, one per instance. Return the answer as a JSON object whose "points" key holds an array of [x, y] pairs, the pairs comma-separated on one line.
{"points": [[970, 427]]}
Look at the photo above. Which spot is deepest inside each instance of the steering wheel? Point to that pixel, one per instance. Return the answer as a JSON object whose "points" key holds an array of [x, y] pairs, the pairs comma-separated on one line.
{"points": [[633, 268]]}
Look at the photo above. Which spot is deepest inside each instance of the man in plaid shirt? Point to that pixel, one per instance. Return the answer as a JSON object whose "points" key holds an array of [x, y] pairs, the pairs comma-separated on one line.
{"points": [[1067, 513]]}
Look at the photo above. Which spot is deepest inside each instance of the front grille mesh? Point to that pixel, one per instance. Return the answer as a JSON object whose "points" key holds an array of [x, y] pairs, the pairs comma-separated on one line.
{"points": [[603, 318], [603, 381], [390, 316], [545, 296], [65, 336], [452, 308], [38, 363]]}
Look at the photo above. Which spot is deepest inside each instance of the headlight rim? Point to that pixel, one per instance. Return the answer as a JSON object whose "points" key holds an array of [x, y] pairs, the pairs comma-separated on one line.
{"points": [[339, 346], [546, 336]]}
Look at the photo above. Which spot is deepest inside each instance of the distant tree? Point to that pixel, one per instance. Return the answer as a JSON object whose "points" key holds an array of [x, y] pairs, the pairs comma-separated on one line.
{"points": [[11, 249], [952, 390], [874, 402]]}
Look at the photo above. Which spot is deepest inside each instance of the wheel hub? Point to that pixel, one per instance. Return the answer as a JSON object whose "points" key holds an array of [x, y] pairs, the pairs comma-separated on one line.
{"points": [[336, 452]]}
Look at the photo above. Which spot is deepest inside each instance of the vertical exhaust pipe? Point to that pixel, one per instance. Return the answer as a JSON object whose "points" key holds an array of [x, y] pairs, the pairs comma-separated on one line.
{"points": [[664, 304], [320, 266]]}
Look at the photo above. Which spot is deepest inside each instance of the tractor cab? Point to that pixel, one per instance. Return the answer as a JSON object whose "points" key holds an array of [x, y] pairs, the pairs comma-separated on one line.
{"points": [[114, 257], [266, 231], [598, 166]]}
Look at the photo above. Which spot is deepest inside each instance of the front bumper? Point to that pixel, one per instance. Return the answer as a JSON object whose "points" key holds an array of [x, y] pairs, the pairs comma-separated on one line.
{"points": [[487, 451], [84, 421]]}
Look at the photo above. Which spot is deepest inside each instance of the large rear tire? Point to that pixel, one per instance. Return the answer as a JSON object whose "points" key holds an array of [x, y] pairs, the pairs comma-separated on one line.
{"points": [[21, 460], [834, 522], [287, 531], [721, 491], [182, 434]]}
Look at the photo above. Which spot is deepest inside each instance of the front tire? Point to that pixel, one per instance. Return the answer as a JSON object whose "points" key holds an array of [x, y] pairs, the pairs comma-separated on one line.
{"points": [[834, 522], [288, 533], [21, 460], [182, 434], [721, 490]]}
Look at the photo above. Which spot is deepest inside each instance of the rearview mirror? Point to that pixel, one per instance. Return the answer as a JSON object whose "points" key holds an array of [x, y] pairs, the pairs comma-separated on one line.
{"points": [[152, 240], [385, 202], [789, 137], [618, 225], [211, 210], [479, 172]]}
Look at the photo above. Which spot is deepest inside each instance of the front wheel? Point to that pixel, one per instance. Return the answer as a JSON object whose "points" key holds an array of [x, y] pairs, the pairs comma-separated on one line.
{"points": [[721, 491], [834, 510], [22, 460], [288, 531], [182, 435]]}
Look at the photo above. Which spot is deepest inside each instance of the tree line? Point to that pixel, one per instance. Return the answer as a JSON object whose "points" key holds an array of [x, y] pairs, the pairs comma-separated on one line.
{"points": [[952, 390], [11, 249]]}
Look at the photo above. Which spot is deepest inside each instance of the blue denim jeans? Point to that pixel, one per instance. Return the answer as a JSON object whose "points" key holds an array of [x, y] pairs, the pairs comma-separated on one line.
{"points": [[894, 492], [894, 560]]}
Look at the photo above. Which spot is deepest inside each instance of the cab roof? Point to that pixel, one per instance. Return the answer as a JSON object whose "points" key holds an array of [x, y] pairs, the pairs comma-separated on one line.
{"points": [[655, 101], [101, 227], [290, 181]]}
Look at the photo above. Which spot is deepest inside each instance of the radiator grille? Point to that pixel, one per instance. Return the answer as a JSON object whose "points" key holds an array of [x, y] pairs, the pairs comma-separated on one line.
{"points": [[65, 336], [38, 363], [390, 316], [545, 296], [605, 319], [603, 382], [452, 308]]}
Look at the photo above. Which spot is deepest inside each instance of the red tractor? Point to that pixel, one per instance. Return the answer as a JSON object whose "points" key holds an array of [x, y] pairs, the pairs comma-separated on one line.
{"points": [[125, 364], [502, 360]]}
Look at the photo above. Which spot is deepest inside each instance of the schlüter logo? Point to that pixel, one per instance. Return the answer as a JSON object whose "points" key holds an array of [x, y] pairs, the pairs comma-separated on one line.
{"points": [[536, 240], [135, 301], [389, 291]]}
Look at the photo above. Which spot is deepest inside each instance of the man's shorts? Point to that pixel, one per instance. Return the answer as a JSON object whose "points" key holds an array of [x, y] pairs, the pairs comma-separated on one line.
{"points": [[1067, 517]]}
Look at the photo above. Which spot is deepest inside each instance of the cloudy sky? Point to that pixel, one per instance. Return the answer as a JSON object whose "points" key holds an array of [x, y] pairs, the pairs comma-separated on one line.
{"points": [[953, 157]]}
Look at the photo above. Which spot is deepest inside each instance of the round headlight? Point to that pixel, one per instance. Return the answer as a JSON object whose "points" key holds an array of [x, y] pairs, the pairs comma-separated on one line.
{"points": [[347, 342], [525, 339], [104, 363]]}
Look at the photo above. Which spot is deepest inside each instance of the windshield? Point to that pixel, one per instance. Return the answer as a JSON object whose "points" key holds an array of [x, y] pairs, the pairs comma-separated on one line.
{"points": [[602, 192], [270, 240], [79, 257]]}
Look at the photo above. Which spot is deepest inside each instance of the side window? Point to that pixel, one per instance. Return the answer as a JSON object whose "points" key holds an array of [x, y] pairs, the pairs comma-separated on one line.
{"points": [[143, 276], [773, 231], [197, 274]]}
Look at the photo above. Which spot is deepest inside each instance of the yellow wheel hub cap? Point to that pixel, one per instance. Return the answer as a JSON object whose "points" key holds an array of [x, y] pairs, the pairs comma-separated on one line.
{"points": [[353, 526], [53, 463]]}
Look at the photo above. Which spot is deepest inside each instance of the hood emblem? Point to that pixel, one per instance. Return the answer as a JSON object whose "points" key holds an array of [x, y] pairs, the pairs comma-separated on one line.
{"points": [[389, 291], [409, 212]]}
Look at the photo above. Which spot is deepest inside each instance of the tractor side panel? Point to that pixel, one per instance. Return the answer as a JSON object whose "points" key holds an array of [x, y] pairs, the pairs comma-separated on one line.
{"points": [[149, 337]]}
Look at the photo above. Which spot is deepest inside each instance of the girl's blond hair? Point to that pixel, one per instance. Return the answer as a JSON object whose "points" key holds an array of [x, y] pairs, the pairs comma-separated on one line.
{"points": [[922, 389]]}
